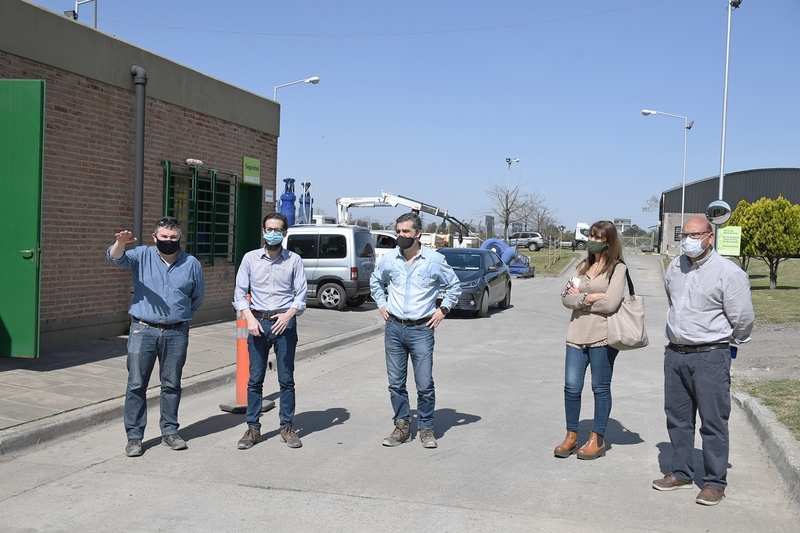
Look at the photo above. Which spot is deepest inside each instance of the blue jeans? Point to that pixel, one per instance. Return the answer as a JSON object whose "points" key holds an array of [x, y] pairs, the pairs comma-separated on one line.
{"points": [[401, 342], [601, 359], [284, 345], [145, 345]]}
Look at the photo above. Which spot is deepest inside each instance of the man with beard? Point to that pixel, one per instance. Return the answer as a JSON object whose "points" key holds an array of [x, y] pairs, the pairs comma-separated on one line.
{"points": [[276, 282], [167, 290], [405, 285]]}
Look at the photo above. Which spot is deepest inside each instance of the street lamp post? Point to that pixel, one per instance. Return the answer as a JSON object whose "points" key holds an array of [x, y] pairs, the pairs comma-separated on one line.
{"points": [[732, 4], [687, 125], [313, 80]]}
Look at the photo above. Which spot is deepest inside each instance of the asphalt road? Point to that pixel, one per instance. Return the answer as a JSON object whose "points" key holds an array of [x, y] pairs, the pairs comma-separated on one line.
{"points": [[499, 413]]}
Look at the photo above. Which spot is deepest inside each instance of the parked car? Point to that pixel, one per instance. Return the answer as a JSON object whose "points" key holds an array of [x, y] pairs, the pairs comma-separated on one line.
{"points": [[485, 279], [338, 261], [385, 242], [527, 239]]}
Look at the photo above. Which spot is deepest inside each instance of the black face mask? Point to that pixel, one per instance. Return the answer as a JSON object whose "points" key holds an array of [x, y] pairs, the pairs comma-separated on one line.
{"points": [[405, 242], [168, 247]]}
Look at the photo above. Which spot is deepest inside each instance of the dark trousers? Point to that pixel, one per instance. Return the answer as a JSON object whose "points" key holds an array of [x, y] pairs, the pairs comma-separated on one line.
{"points": [[698, 382], [285, 345], [145, 345]]}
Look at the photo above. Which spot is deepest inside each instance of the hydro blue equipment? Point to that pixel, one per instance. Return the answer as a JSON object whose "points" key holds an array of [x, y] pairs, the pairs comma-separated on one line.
{"points": [[287, 201], [518, 265]]}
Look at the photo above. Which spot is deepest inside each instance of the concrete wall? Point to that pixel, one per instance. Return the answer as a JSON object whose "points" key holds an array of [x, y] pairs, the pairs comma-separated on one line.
{"points": [[89, 162]]}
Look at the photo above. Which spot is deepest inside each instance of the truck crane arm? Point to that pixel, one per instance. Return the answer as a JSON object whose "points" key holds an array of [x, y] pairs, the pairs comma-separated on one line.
{"points": [[343, 206]]}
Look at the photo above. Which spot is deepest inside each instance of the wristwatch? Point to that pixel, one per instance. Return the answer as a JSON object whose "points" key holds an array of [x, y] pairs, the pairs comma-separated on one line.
{"points": [[444, 310]]}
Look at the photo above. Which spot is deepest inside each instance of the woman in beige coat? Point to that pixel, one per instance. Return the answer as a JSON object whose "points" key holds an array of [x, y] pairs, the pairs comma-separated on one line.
{"points": [[595, 292]]}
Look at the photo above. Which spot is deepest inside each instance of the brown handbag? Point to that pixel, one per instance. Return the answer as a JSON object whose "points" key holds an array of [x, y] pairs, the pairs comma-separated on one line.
{"points": [[626, 327]]}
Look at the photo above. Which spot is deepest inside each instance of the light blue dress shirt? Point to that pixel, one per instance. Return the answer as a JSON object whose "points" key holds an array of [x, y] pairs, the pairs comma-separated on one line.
{"points": [[162, 294], [273, 284], [409, 290]]}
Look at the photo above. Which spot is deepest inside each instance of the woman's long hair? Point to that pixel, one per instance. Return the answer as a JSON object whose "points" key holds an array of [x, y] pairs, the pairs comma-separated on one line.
{"points": [[605, 231]]}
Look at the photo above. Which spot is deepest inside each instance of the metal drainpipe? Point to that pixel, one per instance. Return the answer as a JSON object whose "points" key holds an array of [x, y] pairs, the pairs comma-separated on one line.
{"points": [[139, 81]]}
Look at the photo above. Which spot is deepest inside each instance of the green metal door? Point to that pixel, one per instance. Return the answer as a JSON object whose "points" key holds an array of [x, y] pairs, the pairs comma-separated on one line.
{"points": [[21, 130], [248, 220]]}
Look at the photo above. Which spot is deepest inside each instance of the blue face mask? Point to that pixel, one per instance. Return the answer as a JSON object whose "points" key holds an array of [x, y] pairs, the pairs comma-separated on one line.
{"points": [[273, 238]]}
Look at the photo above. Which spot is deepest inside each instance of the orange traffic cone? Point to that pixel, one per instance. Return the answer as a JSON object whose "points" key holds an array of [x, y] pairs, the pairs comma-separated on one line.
{"points": [[243, 372]]}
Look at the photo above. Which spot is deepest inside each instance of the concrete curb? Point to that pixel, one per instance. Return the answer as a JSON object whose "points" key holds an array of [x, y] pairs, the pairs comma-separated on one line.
{"points": [[63, 424], [781, 445]]}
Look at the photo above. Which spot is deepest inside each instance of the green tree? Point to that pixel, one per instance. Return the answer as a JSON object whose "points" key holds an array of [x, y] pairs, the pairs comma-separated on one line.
{"points": [[739, 218], [771, 232]]}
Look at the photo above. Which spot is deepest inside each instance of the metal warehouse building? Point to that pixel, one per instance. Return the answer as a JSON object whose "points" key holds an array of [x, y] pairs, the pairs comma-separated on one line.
{"points": [[750, 185], [71, 102]]}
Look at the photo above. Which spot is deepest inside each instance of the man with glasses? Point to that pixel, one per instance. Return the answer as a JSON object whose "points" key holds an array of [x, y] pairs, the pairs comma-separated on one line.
{"points": [[270, 292], [168, 288], [710, 313]]}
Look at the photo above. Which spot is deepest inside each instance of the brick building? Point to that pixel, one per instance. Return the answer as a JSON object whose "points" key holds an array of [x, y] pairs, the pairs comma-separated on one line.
{"points": [[88, 160]]}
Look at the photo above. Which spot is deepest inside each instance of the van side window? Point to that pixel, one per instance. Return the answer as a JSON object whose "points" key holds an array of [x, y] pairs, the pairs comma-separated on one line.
{"points": [[332, 247], [303, 245], [385, 241]]}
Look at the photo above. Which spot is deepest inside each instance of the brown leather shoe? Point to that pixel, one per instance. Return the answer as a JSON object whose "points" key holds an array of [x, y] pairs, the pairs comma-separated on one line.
{"points": [[595, 447], [710, 495], [670, 482], [568, 446]]}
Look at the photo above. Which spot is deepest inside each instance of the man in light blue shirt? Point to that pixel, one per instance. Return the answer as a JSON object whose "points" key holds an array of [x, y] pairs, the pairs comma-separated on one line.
{"points": [[168, 288], [275, 280], [405, 285]]}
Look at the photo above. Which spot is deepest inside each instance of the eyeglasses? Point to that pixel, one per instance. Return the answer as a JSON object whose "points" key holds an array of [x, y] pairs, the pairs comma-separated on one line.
{"points": [[694, 235]]}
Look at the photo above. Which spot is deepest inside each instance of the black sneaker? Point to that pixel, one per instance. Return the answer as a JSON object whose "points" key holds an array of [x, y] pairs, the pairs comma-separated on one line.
{"points": [[174, 441], [250, 438], [289, 436], [134, 448], [400, 434]]}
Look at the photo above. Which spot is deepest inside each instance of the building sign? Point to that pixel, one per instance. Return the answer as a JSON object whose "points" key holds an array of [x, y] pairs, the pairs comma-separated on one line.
{"points": [[251, 170], [269, 196], [729, 241]]}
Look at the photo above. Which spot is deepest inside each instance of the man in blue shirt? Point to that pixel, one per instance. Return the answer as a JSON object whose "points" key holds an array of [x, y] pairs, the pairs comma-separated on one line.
{"points": [[405, 285], [168, 288], [276, 282]]}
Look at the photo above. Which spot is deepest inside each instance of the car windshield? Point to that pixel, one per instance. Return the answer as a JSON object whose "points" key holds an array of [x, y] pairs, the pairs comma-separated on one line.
{"points": [[462, 261]]}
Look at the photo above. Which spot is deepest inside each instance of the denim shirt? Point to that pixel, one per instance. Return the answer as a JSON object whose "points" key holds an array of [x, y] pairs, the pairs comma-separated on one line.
{"points": [[162, 294], [412, 288]]}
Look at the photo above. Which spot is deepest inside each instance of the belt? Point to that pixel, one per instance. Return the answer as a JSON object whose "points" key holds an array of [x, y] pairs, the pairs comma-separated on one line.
{"points": [[695, 348], [406, 322], [267, 315], [174, 325]]}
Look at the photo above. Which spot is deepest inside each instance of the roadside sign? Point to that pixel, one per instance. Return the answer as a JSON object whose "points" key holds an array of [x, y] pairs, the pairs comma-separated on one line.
{"points": [[729, 241]]}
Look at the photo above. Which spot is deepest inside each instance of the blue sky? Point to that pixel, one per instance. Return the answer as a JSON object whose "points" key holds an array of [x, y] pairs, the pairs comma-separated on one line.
{"points": [[427, 99]]}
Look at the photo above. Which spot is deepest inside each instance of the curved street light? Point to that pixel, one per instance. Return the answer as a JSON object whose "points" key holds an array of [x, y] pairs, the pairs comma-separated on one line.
{"points": [[312, 80]]}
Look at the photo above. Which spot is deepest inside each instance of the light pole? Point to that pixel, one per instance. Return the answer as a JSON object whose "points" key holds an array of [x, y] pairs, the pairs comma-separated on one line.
{"points": [[313, 80], [687, 125], [73, 13], [732, 4]]}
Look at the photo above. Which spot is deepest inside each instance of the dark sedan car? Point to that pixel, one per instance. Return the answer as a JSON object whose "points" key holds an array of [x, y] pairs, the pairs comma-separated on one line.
{"points": [[485, 279]]}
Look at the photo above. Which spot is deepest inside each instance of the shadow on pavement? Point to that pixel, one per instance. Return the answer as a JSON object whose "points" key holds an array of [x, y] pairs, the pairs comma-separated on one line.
{"points": [[91, 351], [445, 419], [310, 422], [665, 462], [616, 433]]}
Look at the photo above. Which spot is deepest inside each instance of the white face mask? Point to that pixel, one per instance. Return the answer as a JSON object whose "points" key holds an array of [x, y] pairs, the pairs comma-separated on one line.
{"points": [[692, 247]]}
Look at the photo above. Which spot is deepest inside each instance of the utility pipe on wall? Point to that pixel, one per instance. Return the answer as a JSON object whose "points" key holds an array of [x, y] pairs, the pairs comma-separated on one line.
{"points": [[139, 81]]}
